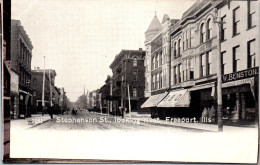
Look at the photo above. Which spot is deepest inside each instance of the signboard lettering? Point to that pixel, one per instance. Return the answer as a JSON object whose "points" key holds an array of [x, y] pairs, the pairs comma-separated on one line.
{"points": [[240, 75]]}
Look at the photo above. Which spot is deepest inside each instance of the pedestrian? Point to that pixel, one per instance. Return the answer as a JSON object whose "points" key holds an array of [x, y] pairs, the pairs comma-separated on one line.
{"points": [[73, 112]]}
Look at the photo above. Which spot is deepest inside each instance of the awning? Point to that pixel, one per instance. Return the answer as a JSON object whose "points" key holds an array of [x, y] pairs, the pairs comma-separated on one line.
{"points": [[154, 100], [180, 98]]}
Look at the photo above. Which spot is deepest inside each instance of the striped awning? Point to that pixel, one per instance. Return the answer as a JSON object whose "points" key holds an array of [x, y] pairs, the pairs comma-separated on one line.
{"points": [[154, 100]]}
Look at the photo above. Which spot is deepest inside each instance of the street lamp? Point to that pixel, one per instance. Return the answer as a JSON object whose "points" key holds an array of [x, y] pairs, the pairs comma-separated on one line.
{"points": [[219, 72]]}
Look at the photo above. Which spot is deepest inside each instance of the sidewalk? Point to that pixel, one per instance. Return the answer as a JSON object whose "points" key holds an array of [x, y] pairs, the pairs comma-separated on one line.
{"points": [[198, 126], [32, 121]]}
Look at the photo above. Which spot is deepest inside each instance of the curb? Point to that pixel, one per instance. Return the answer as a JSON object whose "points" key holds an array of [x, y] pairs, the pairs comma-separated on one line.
{"points": [[38, 124]]}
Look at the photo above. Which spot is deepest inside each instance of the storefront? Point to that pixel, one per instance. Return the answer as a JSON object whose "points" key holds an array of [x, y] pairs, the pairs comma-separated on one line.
{"points": [[25, 99], [14, 95]]}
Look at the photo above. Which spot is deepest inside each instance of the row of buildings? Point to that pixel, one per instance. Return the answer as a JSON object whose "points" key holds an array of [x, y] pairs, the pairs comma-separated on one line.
{"points": [[176, 75], [26, 85], [181, 61], [125, 87]]}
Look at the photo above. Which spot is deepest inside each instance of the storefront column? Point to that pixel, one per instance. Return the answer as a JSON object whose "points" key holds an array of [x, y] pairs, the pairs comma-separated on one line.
{"points": [[236, 115], [243, 105]]}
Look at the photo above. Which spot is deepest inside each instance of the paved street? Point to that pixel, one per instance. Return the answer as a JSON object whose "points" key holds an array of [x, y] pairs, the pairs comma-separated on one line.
{"points": [[94, 121]]}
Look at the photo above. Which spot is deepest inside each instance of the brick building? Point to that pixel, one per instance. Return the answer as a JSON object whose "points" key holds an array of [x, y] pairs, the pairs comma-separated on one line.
{"points": [[105, 95], [51, 92], [21, 56], [193, 59], [128, 71]]}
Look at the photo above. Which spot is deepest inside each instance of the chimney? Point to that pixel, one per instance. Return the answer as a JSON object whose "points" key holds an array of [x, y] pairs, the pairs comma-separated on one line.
{"points": [[38, 68], [140, 49]]}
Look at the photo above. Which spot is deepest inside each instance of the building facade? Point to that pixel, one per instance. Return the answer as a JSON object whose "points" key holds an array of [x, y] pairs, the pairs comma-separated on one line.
{"points": [[196, 41], [21, 56], [128, 80], [51, 92]]}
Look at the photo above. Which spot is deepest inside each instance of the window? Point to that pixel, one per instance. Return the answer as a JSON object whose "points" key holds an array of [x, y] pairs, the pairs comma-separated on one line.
{"points": [[223, 28], [157, 81], [184, 39], [153, 82], [191, 37], [185, 70], [157, 61], [175, 75], [250, 14], [179, 48], [251, 49], [179, 75], [175, 50], [135, 61], [235, 58], [191, 67], [134, 92], [203, 65], [135, 75], [223, 63], [209, 29], [187, 40], [160, 62], [202, 33], [209, 63], [235, 21], [153, 63], [160, 83]]}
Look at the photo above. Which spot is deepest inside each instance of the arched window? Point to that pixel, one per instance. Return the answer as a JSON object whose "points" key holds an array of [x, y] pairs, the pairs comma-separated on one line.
{"points": [[135, 61], [202, 33], [209, 29], [179, 48], [175, 50]]}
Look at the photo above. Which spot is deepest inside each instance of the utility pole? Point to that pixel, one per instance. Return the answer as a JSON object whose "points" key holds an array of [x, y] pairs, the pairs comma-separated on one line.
{"points": [[43, 85], [129, 102], [50, 88], [219, 72]]}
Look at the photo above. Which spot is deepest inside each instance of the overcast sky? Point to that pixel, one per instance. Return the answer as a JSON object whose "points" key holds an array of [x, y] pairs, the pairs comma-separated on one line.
{"points": [[80, 38]]}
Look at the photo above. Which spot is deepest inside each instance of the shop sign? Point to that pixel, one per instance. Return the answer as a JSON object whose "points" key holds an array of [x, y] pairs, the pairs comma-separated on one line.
{"points": [[188, 83], [14, 82], [239, 82], [240, 75]]}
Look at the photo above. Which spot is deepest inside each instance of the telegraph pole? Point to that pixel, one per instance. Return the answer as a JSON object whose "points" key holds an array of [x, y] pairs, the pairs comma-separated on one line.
{"points": [[43, 85], [219, 73]]}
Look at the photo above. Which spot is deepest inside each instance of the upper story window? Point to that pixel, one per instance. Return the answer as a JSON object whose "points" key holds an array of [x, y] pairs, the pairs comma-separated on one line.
{"points": [[160, 82], [209, 29], [250, 14], [179, 48], [175, 75], [184, 39], [191, 37], [223, 28], [191, 68], [157, 61], [202, 33], [223, 62], [175, 50], [187, 39], [153, 63], [160, 59], [134, 92], [185, 69], [235, 58], [179, 74], [209, 63], [153, 82], [203, 65], [157, 80], [135, 75], [134, 61], [251, 51], [235, 21]]}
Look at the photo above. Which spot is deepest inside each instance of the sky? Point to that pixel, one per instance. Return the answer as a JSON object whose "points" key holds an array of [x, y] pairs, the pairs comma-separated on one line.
{"points": [[80, 38]]}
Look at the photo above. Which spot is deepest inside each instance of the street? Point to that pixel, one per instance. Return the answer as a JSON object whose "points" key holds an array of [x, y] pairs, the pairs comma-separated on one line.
{"points": [[128, 140], [94, 121]]}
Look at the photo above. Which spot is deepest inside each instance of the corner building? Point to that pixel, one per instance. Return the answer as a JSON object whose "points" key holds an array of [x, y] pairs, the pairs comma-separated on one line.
{"points": [[193, 58]]}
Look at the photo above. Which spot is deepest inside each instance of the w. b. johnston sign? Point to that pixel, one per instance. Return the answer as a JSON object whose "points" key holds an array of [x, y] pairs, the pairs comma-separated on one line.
{"points": [[240, 75]]}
